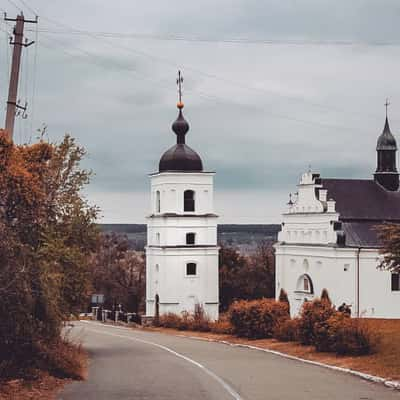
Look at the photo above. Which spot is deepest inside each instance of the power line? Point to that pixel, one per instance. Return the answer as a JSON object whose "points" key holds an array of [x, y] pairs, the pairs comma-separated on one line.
{"points": [[15, 5], [214, 76], [28, 7], [219, 40]]}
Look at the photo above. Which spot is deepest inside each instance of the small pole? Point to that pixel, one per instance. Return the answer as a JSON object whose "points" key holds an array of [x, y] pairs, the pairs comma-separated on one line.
{"points": [[18, 44]]}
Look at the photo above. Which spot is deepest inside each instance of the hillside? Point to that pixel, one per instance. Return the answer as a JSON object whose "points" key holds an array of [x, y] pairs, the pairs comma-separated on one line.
{"points": [[243, 236]]}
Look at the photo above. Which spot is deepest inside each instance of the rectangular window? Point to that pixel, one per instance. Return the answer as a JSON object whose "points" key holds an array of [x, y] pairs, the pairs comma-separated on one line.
{"points": [[191, 269], [395, 282], [188, 199], [190, 238]]}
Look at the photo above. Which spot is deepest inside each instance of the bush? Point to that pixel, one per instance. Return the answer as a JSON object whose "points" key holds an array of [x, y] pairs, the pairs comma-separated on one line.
{"points": [[222, 326], [325, 296], [200, 321], [283, 297], [169, 320], [63, 359], [350, 336], [313, 315], [256, 319], [287, 330]]}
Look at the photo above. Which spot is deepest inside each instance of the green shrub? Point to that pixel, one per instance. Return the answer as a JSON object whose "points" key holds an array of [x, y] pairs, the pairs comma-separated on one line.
{"points": [[287, 330], [313, 314], [256, 319]]}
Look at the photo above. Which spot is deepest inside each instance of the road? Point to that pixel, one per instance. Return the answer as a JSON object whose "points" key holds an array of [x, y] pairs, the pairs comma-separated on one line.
{"points": [[133, 364]]}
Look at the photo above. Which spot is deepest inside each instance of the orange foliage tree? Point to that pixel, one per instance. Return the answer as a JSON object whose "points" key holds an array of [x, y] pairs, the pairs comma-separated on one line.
{"points": [[389, 236], [47, 233]]}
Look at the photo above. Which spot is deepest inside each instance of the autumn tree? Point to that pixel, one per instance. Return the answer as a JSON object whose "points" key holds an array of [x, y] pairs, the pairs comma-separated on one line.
{"points": [[118, 272], [246, 277], [389, 236], [47, 232]]}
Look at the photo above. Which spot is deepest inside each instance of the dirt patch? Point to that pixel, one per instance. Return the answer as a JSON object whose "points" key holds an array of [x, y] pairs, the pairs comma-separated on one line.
{"points": [[384, 363]]}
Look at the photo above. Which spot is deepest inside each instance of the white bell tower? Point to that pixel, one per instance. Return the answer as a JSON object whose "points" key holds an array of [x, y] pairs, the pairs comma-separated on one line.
{"points": [[182, 252]]}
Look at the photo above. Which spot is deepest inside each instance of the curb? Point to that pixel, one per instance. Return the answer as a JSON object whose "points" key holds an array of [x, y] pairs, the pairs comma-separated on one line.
{"points": [[362, 375]]}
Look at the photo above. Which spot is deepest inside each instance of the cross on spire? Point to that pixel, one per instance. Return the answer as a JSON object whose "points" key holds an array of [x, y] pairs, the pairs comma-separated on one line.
{"points": [[387, 104], [179, 82]]}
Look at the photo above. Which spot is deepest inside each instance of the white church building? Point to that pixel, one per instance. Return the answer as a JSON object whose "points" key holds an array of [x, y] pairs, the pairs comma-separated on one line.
{"points": [[182, 252], [328, 239]]}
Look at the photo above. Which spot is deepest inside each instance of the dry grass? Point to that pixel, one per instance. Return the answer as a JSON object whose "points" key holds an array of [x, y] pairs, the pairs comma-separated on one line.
{"points": [[385, 362], [45, 387], [60, 363]]}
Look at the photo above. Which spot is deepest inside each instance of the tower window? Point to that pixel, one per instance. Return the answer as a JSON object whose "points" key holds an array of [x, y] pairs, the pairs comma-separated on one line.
{"points": [[188, 198], [157, 238], [395, 282], [191, 269], [190, 238], [158, 201]]}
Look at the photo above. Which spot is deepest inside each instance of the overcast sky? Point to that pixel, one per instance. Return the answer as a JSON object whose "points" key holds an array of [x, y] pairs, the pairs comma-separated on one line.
{"points": [[304, 85]]}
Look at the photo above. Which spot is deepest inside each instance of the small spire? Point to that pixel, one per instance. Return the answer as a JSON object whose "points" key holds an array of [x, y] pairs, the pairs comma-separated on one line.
{"points": [[180, 126], [387, 104], [179, 82]]}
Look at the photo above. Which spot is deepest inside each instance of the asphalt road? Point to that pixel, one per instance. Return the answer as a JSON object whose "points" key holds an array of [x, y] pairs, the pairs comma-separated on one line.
{"points": [[132, 364]]}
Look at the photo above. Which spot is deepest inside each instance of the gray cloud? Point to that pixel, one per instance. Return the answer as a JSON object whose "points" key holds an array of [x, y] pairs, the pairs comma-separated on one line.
{"points": [[259, 114]]}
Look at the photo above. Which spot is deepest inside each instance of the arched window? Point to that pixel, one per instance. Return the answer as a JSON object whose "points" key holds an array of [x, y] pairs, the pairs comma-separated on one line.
{"points": [[158, 238], [188, 198], [158, 201], [191, 269], [304, 284], [191, 238]]}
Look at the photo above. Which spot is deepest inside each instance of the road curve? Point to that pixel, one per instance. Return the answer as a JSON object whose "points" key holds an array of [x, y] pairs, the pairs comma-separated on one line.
{"points": [[133, 364]]}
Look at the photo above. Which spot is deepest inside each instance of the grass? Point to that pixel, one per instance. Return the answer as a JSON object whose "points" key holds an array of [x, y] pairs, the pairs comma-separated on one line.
{"points": [[385, 362], [59, 364]]}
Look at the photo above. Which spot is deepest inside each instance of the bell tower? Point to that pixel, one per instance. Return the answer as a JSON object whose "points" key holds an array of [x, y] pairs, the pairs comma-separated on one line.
{"points": [[386, 172], [182, 252]]}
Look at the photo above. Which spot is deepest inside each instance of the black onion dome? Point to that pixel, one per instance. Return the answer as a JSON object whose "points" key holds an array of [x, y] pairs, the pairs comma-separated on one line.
{"points": [[180, 157], [386, 140]]}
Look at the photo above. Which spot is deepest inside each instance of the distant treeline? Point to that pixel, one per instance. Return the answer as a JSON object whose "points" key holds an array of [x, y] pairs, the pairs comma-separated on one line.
{"points": [[265, 229]]}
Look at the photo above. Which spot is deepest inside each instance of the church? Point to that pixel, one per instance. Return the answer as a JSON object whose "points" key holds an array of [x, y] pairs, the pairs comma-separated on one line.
{"points": [[182, 252], [329, 239]]}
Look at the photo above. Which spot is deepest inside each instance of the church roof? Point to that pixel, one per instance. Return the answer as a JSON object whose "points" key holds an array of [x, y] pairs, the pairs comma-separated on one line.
{"points": [[361, 234], [362, 205], [363, 200], [180, 157]]}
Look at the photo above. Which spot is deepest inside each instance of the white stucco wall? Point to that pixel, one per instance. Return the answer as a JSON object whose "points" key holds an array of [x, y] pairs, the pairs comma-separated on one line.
{"points": [[307, 245], [336, 270], [167, 253]]}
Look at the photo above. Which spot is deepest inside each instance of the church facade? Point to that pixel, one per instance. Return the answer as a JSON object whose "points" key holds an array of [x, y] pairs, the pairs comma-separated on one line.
{"points": [[182, 252], [329, 239]]}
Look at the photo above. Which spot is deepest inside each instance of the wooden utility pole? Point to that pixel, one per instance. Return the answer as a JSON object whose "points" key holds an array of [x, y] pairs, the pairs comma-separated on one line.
{"points": [[18, 43]]}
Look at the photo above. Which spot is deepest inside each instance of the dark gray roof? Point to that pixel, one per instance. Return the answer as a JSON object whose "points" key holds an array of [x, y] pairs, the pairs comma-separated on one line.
{"points": [[362, 199], [363, 205], [180, 158], [361, 234]]}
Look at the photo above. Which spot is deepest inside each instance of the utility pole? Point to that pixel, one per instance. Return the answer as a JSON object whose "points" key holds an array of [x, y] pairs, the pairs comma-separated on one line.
{"points": [[18, 44]]}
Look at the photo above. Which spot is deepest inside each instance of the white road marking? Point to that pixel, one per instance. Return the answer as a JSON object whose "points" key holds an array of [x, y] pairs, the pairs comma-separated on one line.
{"points": [[227, 387]]}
